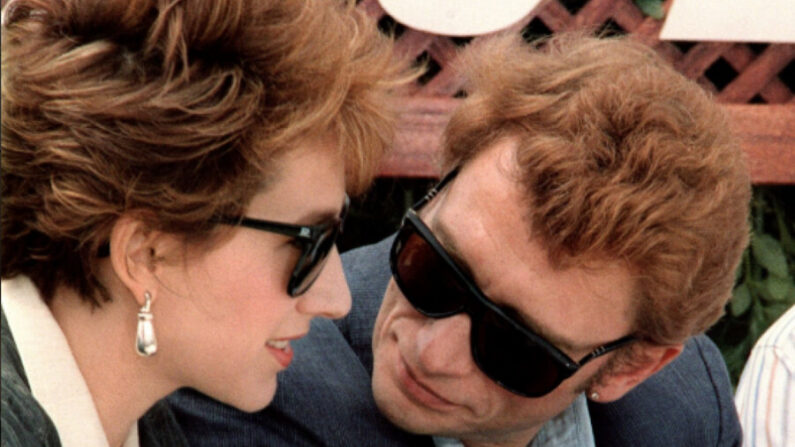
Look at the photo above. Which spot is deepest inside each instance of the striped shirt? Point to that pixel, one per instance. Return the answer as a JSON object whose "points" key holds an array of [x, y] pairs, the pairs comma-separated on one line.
{"points": [[765, 396]]}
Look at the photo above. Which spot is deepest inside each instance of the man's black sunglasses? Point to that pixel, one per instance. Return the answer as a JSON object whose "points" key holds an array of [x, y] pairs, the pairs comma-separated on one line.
{"points": [[316, 242], [504, 348]]}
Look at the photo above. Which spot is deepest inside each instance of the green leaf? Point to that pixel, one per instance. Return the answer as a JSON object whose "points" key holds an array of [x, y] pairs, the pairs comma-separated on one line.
{"points": [[789, 244], [741, 300], [775, 310], [781, 219], [759, 323], [769, 254], [778, 288], [760, 290], [739, 273], [735, 357], [652, 8]]}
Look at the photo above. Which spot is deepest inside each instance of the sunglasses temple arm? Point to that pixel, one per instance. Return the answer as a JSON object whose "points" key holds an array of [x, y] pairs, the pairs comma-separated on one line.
{"points": [[435, 190], [602, 350]]}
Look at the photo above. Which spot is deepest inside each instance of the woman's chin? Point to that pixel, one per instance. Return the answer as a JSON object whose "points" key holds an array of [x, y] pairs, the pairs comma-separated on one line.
{"points": [[251, 399]]}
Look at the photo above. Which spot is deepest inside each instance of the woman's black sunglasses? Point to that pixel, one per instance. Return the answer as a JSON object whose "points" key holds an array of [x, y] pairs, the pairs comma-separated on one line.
{"points": [[506, 350], [316, 242]]}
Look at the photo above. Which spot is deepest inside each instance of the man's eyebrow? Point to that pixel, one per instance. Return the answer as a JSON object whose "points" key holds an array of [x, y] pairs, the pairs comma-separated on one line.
{"points": [[449, 244], [559, 342]]}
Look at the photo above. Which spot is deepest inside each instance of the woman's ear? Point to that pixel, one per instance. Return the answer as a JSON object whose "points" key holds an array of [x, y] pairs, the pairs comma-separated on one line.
{"points": [[619, 381], [134, 249]]}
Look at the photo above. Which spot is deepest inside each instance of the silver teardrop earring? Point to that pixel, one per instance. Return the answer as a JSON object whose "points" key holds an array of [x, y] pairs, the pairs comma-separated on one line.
{"points": [[145, 340]]}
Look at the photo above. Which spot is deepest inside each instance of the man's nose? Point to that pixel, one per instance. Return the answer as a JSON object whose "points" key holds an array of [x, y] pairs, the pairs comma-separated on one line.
{"points": [[329, 296], [443, 346]]}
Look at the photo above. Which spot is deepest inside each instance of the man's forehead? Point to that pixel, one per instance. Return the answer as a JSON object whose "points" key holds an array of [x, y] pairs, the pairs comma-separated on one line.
{"points": [[480, 219], [497, 162], [484, 195], [518, 308]]}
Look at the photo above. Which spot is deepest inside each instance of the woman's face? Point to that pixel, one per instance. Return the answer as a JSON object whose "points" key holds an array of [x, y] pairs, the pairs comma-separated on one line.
{"points": [[223, 317]]}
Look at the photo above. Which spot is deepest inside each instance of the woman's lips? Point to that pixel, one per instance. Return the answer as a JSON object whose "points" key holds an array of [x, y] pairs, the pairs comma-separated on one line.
{"points": [[281, 350]]}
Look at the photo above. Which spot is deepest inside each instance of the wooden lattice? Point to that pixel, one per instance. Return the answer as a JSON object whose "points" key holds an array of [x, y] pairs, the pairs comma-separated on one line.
{"points": [[755, 82]]}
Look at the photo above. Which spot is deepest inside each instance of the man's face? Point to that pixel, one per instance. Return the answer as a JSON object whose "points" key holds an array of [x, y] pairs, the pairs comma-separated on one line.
{"points": [[425, 379]]}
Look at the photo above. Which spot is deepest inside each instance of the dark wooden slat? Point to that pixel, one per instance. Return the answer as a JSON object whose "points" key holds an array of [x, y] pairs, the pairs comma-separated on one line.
{"points": [[739, 56], [757, 74], [766, 132], [372, 8], [555, 16], [412, 43], [667, 51], [648, 32], [519, 26], [418, 137], [775, 92], [594, 13], [707, 85], [628, 15], [700, 58], [447, 82]]}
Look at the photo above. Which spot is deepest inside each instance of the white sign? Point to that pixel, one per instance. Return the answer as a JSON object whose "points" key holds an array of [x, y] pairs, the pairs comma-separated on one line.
{"points": [[731, 20]]}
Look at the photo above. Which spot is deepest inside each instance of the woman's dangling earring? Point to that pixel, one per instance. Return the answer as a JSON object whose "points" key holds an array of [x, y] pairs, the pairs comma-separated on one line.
{"points": [[145, 340]]}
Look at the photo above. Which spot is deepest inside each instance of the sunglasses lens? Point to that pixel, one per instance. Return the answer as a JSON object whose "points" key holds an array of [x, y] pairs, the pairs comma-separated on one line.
{"points": [[312, 261], [423, 276], [314, 257], [510, 358], [503, 352]]}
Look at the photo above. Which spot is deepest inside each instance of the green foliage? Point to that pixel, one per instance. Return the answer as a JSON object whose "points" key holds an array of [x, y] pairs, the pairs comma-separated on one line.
{"points": [[765, 286], [652, 8]]}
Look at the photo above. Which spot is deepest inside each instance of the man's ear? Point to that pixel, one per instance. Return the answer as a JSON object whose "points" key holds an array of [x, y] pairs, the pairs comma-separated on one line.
{"points": [[622, 378], [133, 255]]}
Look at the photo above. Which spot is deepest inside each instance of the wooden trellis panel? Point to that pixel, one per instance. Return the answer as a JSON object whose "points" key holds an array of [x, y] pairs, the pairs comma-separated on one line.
{"points": [[755, 82]]}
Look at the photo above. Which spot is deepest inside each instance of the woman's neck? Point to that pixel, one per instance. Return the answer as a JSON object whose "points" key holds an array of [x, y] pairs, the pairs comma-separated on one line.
{"points": [[123, 385]]}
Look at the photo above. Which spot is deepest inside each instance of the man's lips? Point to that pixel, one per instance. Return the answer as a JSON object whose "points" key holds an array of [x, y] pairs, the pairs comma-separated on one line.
{"points": [[418, 391]]}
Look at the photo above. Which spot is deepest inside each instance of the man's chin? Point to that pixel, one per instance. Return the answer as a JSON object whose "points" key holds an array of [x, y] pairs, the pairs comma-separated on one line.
{"points": [[399, 410], [406, 420]]}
